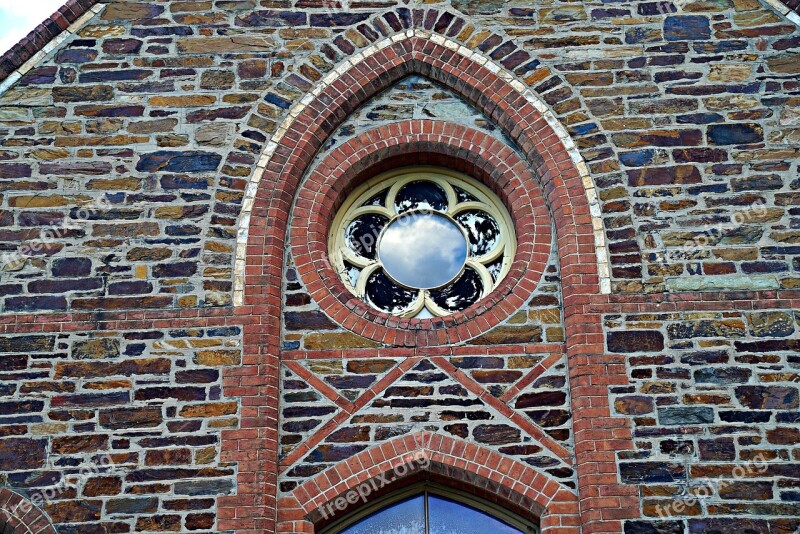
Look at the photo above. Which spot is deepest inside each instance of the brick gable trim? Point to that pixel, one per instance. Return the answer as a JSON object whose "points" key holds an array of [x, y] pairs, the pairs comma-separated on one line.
{"points": [[42, 35]]}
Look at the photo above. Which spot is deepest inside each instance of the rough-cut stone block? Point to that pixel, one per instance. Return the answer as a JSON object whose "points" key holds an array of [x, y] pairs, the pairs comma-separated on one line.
{"points": [[18, 454], [685, 416], [191, 161], [635, 341], [768, 397]]}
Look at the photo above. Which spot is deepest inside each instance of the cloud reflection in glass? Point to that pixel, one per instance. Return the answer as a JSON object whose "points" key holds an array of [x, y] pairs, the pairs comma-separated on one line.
{"points": [[423, 250]]}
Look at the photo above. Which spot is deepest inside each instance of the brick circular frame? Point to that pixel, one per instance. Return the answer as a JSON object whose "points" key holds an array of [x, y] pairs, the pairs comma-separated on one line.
{"points": [[416, 142], [598, 435], [31, 521], [557, 505]]}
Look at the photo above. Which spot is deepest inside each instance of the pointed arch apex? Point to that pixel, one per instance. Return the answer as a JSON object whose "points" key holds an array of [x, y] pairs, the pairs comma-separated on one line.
{"points": [[468, 464], [420, 38]]}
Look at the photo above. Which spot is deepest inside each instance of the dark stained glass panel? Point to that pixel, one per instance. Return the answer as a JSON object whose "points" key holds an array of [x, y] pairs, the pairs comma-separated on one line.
{"points": [[362, 234], [461, 294], [386, 295], [463, 196], [482, 230], [420, 195]]}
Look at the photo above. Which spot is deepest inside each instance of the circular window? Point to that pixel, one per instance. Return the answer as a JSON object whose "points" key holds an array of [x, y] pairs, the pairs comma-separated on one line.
{"points": [[422, 243]]}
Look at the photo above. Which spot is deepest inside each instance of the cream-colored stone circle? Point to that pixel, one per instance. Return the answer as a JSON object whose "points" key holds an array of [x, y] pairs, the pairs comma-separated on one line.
{"points": [[422, 242]]}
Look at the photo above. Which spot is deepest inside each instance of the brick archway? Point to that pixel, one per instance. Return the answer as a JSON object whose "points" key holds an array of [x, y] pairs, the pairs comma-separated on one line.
{"points": [[22, 515], [467, 464], [421, 142], [569, 194]]}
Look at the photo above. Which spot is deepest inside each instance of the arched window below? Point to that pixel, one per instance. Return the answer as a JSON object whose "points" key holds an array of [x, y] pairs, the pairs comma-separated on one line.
{"points": [[5, 528], [431, 509]]}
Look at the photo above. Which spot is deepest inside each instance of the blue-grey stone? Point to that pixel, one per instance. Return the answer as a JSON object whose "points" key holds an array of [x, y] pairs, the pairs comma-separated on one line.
{"points": [[192, 161]]}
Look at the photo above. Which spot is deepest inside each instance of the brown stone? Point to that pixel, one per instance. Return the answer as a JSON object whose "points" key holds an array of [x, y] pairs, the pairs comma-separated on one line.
{"points": [[187, 101], [511, 335], [131, 11], [784, 436], [637, 405], [373, 366], [200, 521], [225, 45], [22, 453], [746, 491], [96, 349], [337, 340], [159, 523], [496, 434], [84, 443], [218, 357], [209, 410], [168, 457], [82, 511], [84, 93], [768, 397], [123, 418], [102, 486]]}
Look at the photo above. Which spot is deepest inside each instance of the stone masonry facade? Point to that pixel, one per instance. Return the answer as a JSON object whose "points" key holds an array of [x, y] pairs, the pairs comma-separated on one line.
{"points": [[177, 354]]}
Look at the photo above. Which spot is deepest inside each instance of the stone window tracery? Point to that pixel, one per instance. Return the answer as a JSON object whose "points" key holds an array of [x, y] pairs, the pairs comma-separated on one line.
{"points": [[423, 242]]}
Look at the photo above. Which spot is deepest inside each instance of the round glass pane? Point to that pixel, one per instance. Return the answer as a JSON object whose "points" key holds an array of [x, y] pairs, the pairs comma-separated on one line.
{"points": [[423, 250]]}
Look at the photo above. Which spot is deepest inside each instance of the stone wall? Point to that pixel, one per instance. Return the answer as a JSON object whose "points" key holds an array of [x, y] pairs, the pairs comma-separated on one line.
{"points": [[714, 400], [125, 157]]}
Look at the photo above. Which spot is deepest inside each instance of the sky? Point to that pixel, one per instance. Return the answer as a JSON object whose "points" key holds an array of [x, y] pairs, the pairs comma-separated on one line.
{"points": [[19, 17]]}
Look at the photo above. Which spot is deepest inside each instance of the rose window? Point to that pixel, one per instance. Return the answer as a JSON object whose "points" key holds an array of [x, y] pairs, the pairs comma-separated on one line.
{"points": [[422, 243]]}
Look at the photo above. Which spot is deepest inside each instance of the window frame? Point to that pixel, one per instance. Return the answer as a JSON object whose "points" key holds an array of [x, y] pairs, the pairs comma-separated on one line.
{"points": [[432, 488], [487, 201]]}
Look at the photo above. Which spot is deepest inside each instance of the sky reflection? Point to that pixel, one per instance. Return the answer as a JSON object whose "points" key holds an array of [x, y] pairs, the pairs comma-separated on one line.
{"points": [[423, 250]]}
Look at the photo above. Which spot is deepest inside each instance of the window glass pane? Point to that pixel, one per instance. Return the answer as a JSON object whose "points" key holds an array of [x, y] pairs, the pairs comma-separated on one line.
{"points": [[388, 296], [404, 517], [353, 273], [423, 250], [377, 200], [482, 229], [362, 234], [463, 196], [420, 195], [495, 268], [450, 517], [461, 294]]}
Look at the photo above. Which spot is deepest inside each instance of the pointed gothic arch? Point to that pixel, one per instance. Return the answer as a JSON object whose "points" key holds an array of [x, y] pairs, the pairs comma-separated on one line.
{"points": [[573, 202], [522, 115]]}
